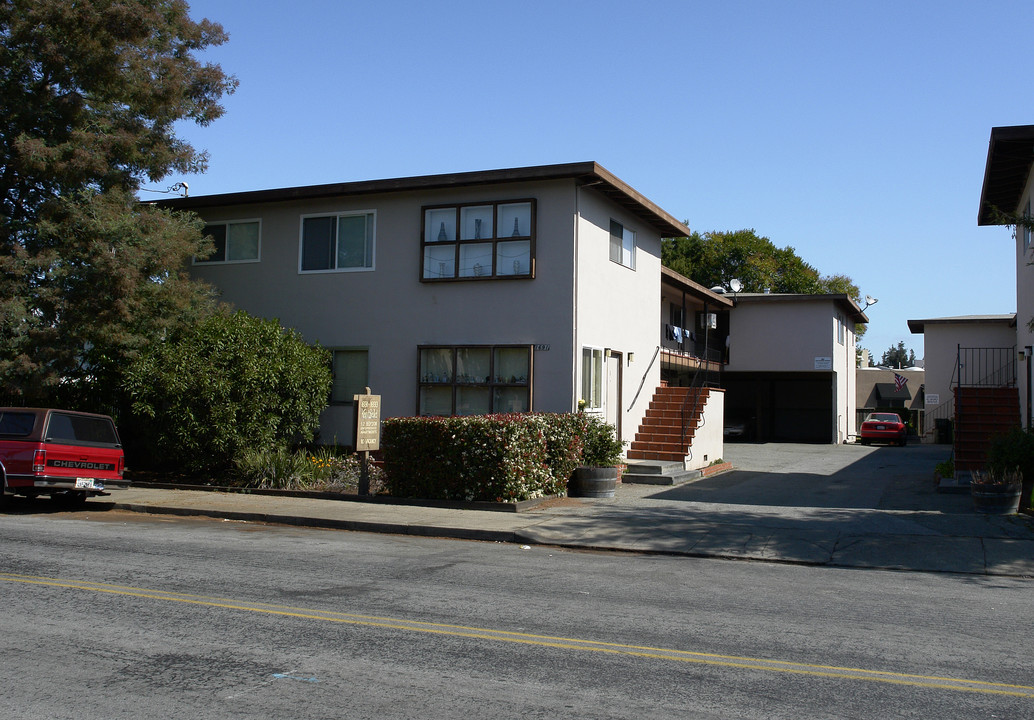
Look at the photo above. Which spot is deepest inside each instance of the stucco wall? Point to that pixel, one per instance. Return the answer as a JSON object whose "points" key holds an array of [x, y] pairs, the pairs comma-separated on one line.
{"points": [[709, 440], [941, 341], [617, 307], [1024, 299], [390, 312]]}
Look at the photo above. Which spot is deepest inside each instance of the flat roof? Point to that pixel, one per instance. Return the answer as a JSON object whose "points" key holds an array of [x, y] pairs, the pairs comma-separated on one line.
{"points": [[584, 173], [1010, 153], [917, 326]]}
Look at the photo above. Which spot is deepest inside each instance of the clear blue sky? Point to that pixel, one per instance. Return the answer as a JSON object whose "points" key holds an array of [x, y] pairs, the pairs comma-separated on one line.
{"points": [[855, 133]]}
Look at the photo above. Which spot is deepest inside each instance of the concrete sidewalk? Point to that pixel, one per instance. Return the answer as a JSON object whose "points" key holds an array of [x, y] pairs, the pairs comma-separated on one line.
{"points": [[637, 521]]}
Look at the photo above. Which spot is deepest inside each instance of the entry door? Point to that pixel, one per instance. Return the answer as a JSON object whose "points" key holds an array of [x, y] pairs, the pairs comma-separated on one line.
{"points": [[613, 402]]}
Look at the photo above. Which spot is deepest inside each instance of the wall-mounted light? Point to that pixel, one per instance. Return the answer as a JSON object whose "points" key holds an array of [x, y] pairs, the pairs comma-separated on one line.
{"points": [[607, 352], [631, 358]]}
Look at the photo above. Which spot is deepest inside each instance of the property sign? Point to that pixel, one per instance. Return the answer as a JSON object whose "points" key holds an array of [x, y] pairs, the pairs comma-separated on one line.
{"points": [[367, 422], [933, 399], [823, 363]]}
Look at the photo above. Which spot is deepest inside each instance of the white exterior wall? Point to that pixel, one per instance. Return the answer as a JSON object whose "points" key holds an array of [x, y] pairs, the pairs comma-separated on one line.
{"points": [[1024, 299], [941, 342], [709, 440], [777, 336], [616, 307], [798, 335], [390, 312]]}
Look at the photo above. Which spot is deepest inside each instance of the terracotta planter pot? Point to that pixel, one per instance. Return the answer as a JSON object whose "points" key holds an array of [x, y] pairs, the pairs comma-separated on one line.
{"points": [[593, 482]]}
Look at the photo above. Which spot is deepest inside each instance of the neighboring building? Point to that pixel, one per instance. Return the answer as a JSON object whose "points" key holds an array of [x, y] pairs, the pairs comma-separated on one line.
{"points": [[983, 344], [526, 289], [1009, 188], [877, 388], [790, 366]]}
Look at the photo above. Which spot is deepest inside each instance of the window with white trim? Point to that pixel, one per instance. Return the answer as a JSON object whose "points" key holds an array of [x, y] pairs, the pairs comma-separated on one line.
{"points": [[351, 373], [234, 241], [337, 242], [475, 379], [479, 241], [840, 329], [592, 378], [622, 244]]}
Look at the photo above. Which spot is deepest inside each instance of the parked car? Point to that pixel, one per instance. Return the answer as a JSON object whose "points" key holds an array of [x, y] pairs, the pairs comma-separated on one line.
{"points": [[883, 427], [67, 455]]}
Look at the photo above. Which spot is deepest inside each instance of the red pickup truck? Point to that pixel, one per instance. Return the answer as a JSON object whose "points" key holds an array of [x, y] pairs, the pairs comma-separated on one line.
{"points": [[68, 455]]}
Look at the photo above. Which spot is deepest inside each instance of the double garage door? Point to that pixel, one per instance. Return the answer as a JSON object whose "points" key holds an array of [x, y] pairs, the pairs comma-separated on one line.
{"points": [[782, 407]]}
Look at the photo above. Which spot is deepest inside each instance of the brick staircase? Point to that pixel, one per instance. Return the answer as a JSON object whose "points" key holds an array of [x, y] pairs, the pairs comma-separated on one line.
{"points": [[660, 434], [980, 414]]}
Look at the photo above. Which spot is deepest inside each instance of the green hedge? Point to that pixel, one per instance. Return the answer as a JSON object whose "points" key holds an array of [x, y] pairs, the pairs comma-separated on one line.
{"points": [[491, 457]]}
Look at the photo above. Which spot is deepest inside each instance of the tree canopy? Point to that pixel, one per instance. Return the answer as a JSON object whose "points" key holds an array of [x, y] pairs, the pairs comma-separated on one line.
{"points": [[91, 92], [715, 258], [898, 356]]}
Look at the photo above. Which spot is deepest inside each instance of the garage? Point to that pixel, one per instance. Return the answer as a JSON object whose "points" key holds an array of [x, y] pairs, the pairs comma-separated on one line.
{"points": [[782, 407]]}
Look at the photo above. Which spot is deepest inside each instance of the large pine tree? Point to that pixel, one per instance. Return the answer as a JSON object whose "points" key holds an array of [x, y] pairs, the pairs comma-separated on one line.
{"points": [[91, 91]]}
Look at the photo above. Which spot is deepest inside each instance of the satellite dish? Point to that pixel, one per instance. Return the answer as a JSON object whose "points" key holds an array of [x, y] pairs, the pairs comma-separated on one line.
{"points": [[736, 285]]}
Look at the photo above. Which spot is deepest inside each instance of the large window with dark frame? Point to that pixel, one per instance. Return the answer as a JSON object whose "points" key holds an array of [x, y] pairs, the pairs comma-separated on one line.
{"points": [[233, 241], [480, 241], [337, 242], [474, 379]]}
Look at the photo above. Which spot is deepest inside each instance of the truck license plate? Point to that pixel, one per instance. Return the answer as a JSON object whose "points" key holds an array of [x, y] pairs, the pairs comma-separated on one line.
{"points": [[88, 484]]}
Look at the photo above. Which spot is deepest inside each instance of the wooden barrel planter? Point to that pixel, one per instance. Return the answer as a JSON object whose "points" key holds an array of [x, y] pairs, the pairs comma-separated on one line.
{"points": [[996, 499], [593, 482]]}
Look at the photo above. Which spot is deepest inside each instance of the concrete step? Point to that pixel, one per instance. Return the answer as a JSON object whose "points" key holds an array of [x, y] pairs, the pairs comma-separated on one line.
{"points": [[657, 472]]}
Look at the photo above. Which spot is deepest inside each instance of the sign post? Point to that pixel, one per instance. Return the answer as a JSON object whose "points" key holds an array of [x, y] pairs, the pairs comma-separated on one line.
{"points": [[367, 434]]}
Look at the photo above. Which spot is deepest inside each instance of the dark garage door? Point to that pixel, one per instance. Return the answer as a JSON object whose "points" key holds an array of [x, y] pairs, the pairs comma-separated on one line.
{"points": [[782, 407]]}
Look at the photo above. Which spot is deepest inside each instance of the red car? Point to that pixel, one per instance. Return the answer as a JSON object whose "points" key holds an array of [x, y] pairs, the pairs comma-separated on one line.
{"points": [[883, 427]]}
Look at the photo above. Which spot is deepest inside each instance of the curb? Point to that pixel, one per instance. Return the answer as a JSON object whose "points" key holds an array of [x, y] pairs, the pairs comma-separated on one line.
{"points": [[505, 536]]}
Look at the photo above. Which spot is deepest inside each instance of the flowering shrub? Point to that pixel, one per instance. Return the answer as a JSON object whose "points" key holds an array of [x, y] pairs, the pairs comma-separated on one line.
{"points": [[492, 457]]}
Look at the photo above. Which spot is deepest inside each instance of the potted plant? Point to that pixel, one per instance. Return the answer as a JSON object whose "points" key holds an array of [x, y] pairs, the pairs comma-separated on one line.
{"points": [[996, 492], [597, 475], [1014, 451]]}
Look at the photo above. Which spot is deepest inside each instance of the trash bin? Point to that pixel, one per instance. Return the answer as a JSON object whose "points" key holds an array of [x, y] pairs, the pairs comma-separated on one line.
{"points": [[943, 430]]}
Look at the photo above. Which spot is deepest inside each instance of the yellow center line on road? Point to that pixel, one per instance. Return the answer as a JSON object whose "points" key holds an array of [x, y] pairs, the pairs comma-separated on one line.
{"points": [[564, 643]]}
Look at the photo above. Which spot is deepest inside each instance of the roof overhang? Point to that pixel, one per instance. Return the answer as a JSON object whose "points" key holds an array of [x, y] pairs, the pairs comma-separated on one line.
{"points": [[918, 327], [682, 283], [1010, 153], [583, 173]]}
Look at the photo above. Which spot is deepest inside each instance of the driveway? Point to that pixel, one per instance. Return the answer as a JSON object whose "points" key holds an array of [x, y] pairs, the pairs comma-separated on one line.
{"points": [[827, 476]]}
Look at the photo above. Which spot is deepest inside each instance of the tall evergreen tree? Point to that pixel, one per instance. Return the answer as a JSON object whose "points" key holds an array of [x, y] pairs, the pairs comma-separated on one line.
{"points": [[91, 93]]}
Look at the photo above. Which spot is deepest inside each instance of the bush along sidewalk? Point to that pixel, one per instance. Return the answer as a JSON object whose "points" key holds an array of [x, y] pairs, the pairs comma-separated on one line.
{"points": [[501, 458]]}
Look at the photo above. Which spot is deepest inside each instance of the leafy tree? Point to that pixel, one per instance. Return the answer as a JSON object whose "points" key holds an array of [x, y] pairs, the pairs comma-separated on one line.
{"points": [[898, 356], [714, 258], [231, 385], [91, 92]]}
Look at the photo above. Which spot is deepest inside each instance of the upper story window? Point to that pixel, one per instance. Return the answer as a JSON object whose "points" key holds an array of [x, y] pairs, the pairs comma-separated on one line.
{"points": [[622, 244], [336, 242], [479, 241], [840, 329], [234, 241]]}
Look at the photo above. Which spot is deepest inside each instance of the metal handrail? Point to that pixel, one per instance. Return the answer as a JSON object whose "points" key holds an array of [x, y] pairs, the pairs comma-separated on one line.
{"points": [[656, 354], [697, 383]]}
